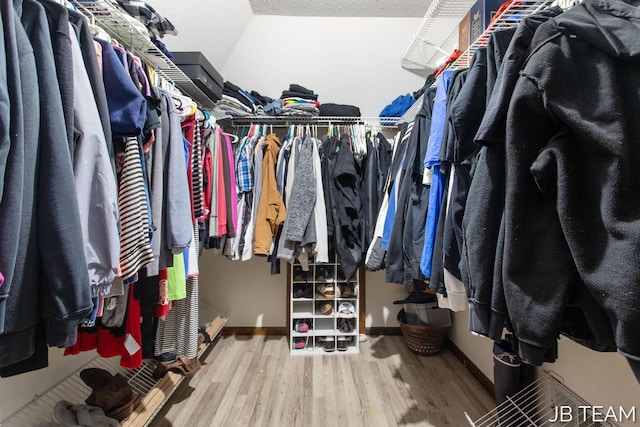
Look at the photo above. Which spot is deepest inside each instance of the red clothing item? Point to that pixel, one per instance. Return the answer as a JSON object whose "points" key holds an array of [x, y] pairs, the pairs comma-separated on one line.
{"points": [[503, 6], [454, 55], [162, 307], [133, 331], [109, 345], [188, 129]]}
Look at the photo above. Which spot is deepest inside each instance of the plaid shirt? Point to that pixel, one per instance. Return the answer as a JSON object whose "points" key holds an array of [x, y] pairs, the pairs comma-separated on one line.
{"points": [[244, 167]]}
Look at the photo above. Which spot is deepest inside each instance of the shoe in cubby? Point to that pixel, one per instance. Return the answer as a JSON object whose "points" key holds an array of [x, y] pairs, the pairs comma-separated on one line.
{"points": [[327, 344], [299, 275], [346, 325], [347, 290], [327, 290], [302, 325], [343, 343], [303, 290], [324, 273], [300, 343], [346, 310], [325, 308]]}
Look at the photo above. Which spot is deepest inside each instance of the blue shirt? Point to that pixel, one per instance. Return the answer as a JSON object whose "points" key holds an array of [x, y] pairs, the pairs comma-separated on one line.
{"points": [[432, 161], [244, 167]]}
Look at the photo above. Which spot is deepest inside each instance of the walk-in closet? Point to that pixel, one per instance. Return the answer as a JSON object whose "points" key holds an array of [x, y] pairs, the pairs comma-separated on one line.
{"points": [[309, 213]]}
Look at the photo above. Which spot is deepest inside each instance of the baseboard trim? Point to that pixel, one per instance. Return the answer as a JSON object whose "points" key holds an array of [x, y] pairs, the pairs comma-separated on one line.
{"points": [[252, 330], [383, 330], [471, 367]]}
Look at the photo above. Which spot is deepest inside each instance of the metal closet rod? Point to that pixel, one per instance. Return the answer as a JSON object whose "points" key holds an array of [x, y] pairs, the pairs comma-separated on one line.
{"points": [[277, 121]]}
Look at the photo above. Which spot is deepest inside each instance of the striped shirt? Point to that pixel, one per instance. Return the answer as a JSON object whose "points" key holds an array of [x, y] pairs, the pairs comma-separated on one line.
{"points": [[135, 247]]}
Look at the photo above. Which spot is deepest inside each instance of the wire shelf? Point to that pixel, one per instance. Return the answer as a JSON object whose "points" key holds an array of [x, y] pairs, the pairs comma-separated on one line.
{"points": [[509, 18], [127, 31], [537, 406], [437, 34], [73, 389]]}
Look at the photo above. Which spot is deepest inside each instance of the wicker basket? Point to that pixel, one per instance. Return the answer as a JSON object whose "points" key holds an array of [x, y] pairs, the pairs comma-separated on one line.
{"points": [[423, 340]]}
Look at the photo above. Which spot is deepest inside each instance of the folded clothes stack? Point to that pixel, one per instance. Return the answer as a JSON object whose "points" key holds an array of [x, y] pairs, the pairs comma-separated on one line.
{"points": [[234, 108], [156, 24], [339, 110], [297, 91], [240, 95], [299, 107], [299, 101]]}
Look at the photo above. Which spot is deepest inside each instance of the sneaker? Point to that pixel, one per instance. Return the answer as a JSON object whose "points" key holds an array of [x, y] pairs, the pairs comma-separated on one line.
{"points": [[298, 275], [302, 325], [328, 343], [321, 275], [300, 343], [324, 274], [347, 291], [343, 343], [346, 325], [302, 290]]}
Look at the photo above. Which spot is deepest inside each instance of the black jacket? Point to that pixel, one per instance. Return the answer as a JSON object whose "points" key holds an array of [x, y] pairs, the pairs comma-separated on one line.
{"points": [[407, 234], [346, 208], [46, 294], [572, 211], [480, 267]]}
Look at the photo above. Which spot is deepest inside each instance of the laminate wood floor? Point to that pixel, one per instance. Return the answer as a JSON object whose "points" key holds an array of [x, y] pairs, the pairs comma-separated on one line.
{"points": [[253, 381]]}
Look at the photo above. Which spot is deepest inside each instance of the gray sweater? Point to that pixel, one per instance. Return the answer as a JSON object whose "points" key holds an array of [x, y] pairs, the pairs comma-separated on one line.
{"points": [[303, 194]]}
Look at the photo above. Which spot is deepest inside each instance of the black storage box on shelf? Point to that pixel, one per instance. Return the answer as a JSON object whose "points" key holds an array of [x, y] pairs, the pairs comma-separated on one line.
{"points": [[201, 72]]}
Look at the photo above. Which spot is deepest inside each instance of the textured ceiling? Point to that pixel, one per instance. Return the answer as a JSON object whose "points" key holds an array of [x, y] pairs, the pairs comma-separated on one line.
{"points": [[382, 8]]}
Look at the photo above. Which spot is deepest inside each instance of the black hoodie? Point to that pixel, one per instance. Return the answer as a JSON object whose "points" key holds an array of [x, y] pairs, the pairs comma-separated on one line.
{"points": [[572, 215]]}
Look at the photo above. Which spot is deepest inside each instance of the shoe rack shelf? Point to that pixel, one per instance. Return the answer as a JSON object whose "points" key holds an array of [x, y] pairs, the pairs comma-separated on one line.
{"points": [[327, 331], [155, 392]]}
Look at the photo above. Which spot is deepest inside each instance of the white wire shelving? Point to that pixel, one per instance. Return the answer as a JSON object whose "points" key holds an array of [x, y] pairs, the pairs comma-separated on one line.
{"points": [[547, 402], [438, 32], [123, 28]]}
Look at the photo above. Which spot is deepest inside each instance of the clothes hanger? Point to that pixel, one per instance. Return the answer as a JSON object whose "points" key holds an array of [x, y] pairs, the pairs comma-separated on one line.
{"points": [[184, 104], [234, 138]]}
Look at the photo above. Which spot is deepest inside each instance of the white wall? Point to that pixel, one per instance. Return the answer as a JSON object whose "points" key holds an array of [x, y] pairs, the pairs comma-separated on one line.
{"points": [[248, 295], [353, 61], [212, 26]]}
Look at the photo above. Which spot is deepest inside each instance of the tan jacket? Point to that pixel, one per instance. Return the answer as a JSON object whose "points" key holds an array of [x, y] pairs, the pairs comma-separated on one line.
{"points": [[271, 209]]}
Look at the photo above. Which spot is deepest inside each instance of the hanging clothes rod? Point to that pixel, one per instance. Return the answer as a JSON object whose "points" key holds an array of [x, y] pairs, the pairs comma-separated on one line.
{"points": [[280, 121]]}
